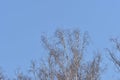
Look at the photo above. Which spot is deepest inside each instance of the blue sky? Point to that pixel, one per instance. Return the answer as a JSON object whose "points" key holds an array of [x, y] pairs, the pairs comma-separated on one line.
{"points": [[23, 21]]}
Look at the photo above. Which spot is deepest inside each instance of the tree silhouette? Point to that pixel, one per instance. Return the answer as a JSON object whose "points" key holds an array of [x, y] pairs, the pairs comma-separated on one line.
{"points": [[65, 59]]}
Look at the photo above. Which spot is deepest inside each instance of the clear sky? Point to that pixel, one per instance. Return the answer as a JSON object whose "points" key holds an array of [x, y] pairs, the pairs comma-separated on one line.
{"points": [[23, 21]]}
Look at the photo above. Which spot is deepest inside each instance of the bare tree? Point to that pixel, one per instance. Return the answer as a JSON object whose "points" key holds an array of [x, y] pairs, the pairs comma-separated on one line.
{"points": [[115, 56], [21, 76], [65, 59]]}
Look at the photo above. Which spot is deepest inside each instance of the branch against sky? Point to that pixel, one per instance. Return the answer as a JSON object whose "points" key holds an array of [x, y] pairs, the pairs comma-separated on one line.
{"points": [[115, 55], [65, 60]]}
